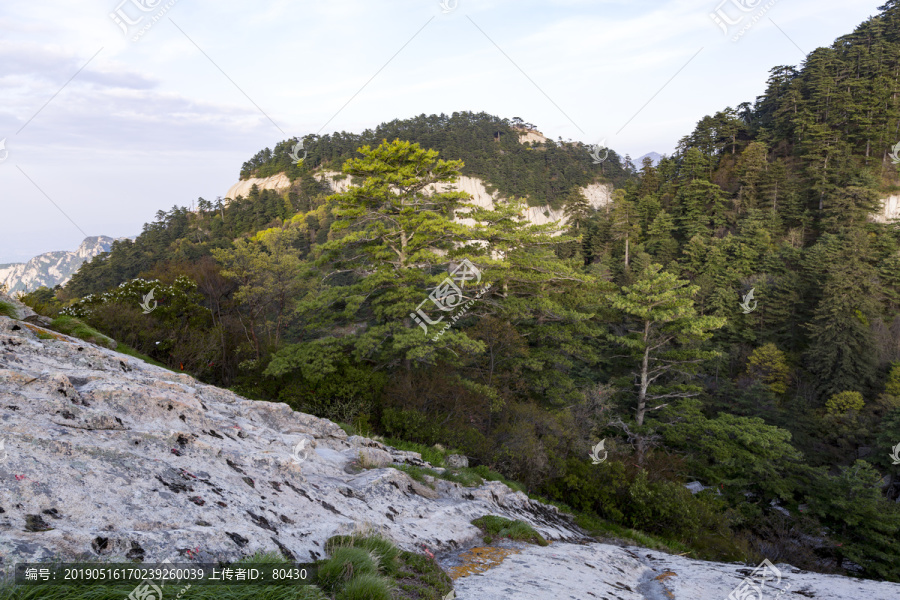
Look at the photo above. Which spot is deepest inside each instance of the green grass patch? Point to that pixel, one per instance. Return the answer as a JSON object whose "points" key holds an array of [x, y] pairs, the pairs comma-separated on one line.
{"points": [[494, 526], [381, 550], [430, 454], [43, 335], [417, 473], [8, 310], [601, 528], [485, 473], [366, 587], [346, 563], [399, 575], [464, 477], [76, 328]]}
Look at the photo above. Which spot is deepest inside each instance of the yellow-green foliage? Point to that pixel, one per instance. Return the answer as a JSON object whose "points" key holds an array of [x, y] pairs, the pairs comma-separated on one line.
{"points": [[844, 402], [768, 364], [892, 386]]}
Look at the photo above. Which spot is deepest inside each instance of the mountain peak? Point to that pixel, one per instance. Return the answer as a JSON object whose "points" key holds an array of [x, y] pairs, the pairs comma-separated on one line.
{"points": [[52, 268]]}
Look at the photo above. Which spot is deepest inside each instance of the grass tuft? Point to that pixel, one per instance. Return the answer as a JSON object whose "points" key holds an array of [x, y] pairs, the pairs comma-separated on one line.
{"points": [[8, 310], [366, 587], [346, 562], [382, 549]]}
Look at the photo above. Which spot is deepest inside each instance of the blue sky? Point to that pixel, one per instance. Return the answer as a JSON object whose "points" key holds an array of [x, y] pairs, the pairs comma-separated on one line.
{"points": [[102, 131]]}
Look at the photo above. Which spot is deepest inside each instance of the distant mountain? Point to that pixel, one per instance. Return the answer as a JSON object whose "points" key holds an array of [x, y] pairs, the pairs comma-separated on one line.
{"points": [[51, 268], [654, 156]]}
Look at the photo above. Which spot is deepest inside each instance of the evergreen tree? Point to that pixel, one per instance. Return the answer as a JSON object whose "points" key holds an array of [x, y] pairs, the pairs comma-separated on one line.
{"points": [[841, 352], [663, 334]]}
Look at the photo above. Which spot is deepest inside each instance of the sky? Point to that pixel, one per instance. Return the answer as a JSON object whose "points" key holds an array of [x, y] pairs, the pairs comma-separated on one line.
{"points": [[111, 110]]}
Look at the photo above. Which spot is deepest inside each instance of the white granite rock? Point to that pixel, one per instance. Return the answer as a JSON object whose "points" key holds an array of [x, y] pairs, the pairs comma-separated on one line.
{"points": [[109, 456]]}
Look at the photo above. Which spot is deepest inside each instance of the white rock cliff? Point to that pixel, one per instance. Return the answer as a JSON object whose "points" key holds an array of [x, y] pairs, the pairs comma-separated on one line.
{"points": [[597, 194]]}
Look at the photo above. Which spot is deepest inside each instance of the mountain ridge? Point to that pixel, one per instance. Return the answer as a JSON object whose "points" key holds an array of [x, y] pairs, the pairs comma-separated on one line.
{"points": [[53, 268]]}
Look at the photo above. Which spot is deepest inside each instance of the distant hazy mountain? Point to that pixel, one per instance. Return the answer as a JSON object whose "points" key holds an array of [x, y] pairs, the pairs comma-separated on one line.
{"points": [[51, 268], [654, 156]]}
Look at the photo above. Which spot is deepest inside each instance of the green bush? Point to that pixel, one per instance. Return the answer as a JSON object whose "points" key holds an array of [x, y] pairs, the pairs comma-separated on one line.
{"points": [[348, 395], [43, 301], [660, 508], [591, 488], [410, 425]]}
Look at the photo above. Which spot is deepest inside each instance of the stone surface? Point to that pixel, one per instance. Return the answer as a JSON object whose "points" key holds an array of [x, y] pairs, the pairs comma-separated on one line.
{"points": [[565, 570], [135, 460], [457, 461], [374, 457], [278, 182], [890, 210]]}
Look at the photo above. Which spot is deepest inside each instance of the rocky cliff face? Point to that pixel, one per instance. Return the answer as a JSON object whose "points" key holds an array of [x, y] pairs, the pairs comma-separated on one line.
{"points": [[598, 194], [51, 268], [279, 183], [890, 210], [108, 457]]}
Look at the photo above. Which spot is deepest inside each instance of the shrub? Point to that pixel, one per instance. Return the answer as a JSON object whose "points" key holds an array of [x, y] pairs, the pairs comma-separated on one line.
{"points": [[347, 395], [410, 425], [43, 301]]}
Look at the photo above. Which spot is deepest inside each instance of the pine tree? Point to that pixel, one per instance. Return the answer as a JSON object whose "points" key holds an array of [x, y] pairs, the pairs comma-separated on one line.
{"points": [[663, 334], [841, 352]]}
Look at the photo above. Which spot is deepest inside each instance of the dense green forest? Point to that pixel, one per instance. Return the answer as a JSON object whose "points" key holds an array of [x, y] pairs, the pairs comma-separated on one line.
{"points": [[633, 326]]}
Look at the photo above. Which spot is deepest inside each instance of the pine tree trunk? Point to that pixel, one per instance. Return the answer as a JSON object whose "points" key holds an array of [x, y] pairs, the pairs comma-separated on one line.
{"points": [[645, 367]]}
